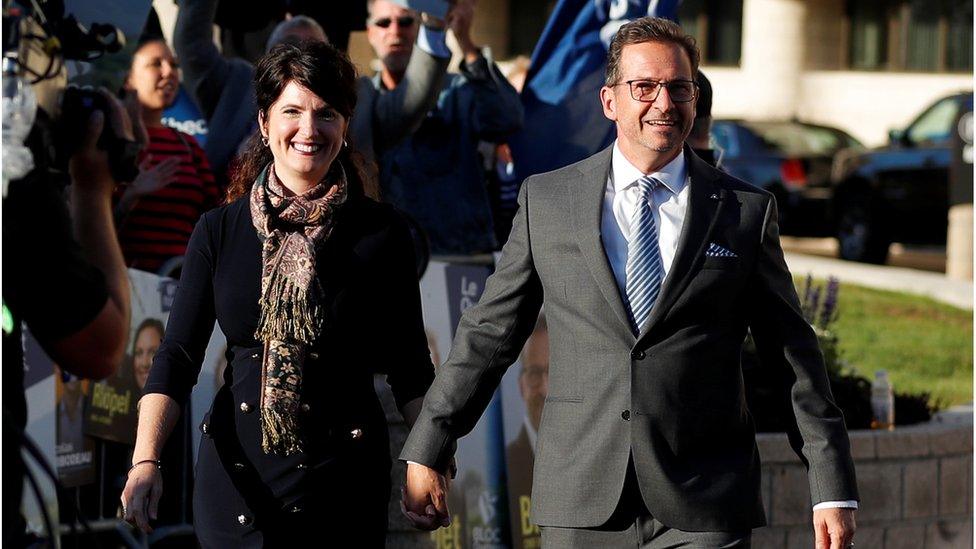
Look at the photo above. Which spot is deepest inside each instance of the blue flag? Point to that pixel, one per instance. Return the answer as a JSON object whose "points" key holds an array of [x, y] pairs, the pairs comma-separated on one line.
{"points": [[564, 121]]}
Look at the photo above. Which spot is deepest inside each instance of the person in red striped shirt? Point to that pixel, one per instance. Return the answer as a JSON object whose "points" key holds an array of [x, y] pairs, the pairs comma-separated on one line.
{"points": [[157, 211]]}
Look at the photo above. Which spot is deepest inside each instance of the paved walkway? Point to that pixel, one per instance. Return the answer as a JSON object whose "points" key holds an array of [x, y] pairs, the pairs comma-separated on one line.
{"points": [[934, 285]]}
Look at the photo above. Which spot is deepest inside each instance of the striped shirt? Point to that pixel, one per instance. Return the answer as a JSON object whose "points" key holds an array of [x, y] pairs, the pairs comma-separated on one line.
{"points": [[159, 225]]}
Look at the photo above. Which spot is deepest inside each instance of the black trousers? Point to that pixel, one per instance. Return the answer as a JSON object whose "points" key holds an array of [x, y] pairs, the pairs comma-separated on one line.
{"points": [[631, 526]]}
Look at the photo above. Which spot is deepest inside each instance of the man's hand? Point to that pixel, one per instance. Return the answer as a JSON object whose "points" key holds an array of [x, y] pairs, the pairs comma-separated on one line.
{"points": [[459, 20], [834, 528], [424, 500], [89, 166], [140, 497]]}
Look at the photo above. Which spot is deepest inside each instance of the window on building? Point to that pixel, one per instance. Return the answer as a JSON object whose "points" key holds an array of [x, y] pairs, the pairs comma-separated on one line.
{"points": [[717, 26], [911, 35]]}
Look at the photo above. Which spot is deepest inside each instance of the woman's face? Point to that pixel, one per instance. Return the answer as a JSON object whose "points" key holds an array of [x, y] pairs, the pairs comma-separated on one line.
{"points": [[147, 342], [304, 133], [155, 76]]}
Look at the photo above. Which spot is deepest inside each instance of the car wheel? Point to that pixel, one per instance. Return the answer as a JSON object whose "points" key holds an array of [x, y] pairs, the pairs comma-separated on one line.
{"points": [[860, 236]]}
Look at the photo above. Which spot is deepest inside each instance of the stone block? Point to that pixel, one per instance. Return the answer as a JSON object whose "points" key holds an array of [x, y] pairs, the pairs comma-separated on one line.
{"points": [[954, 486], [769, 538], [921, 489], [775, 448], [951, 440], [862, 444], [800, 537], [880, 487], [910, 536], [766, 490], [903, 442], [869, 537], [949, 535], [790, 502]]}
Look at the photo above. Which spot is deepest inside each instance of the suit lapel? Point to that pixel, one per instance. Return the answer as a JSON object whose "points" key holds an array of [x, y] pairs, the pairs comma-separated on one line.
{"points": [[704, 206], [587, 208]]}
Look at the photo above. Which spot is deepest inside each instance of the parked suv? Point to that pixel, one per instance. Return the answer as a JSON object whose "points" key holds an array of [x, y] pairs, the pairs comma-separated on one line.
{"points": [[790, 159], [899, 192]]}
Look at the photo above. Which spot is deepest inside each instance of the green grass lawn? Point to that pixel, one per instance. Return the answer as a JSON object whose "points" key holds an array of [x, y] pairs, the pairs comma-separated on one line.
{"points": [[925, 345]]}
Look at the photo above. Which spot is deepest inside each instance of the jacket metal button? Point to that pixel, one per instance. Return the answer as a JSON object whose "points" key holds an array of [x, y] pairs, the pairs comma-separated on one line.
{"points": [[305, 407], [638, 355], [205, 428], [238, 467], [301, 466], [255, 355], [243, 520], [295, 509], [356, 434], [246, 408], [626, 415]]}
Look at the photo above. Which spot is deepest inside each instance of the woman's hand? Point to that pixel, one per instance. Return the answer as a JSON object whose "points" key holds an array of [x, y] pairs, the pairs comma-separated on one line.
{"points": [[149, 180], [140, 497]]}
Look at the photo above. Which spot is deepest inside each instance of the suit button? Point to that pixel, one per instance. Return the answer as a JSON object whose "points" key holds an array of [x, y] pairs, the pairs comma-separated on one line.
{"points": [[638, 355], [626, 415], [238, 467], [246, 408], [243, 520]]}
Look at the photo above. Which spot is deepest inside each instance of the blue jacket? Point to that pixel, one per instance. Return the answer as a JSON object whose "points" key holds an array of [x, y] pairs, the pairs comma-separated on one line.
{"points": [[436, 175]]}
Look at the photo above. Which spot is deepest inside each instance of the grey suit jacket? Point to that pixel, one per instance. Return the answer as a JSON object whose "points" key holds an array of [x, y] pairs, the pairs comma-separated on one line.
{"points": [[670, 396]]}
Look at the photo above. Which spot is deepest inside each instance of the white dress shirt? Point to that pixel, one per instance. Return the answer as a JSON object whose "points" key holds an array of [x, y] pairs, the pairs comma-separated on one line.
{"points": [[669, 207]]}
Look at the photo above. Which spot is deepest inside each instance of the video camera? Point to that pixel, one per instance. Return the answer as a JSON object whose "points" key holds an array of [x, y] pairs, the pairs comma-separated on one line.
{"points": [[38, 37]]}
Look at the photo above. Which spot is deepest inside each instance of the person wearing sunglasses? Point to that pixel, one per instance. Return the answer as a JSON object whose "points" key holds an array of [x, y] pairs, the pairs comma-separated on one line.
{"points": [[436, 174]]}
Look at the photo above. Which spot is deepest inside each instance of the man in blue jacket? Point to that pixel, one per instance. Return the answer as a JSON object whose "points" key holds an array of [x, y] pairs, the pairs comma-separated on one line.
{"points": [[436, 174]]}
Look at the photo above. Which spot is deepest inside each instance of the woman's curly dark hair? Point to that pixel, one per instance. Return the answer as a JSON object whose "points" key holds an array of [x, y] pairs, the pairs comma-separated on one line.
{"points": [[323, 70]]}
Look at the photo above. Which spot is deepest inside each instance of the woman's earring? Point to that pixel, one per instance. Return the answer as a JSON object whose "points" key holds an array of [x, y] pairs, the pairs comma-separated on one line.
{"points": [[264, 140], [345, 143]]}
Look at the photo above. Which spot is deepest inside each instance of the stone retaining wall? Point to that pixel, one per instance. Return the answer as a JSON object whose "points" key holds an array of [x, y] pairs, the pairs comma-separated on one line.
{"points": [[915, 483]]}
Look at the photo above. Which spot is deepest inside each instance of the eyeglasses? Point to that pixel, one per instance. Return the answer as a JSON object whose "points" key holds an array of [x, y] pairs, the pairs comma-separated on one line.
{"points": [[647, 90], [403, 21]]}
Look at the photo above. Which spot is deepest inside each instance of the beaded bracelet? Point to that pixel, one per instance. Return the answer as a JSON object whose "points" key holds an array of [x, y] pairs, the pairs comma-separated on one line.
{"points": [[156, 462]]}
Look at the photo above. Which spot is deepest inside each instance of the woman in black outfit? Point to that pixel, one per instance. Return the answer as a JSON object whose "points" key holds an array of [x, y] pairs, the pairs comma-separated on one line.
{"points": [[314, 286]]}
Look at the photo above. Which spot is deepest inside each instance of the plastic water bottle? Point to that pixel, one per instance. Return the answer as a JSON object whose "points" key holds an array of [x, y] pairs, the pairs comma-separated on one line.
{"points": [[882, 402]]}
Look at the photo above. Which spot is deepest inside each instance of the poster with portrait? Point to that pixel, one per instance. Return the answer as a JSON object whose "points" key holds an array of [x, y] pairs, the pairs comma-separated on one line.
{"points": [[111, 411], [75, 452]]}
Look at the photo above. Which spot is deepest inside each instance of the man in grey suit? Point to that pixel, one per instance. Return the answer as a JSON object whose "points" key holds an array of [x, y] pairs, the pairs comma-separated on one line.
{"points": [[652, 266]]}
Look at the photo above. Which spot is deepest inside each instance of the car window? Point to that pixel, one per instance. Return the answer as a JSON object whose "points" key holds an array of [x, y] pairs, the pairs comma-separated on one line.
{"points": [[935, 124], [801, 140]]}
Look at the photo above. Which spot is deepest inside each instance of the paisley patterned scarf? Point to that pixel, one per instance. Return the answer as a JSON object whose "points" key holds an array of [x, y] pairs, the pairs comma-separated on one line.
{"points": [[293, 229]]}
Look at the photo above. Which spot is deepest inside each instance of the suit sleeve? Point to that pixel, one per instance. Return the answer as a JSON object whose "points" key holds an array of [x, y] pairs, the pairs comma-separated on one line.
{"points": [[488, 339], [399, 112], [783, 336]]}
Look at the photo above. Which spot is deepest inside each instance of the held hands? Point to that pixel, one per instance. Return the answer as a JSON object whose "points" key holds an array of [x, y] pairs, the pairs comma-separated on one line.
{"points": [[140, 497], [834, 528], [424, 500]]}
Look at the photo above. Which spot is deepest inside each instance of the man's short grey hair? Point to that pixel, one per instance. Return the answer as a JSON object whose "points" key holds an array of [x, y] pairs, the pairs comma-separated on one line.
{"points": [[282, 32]]}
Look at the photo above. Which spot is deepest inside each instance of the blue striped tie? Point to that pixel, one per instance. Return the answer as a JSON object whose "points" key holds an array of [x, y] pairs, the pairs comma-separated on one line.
{"points": [[644, 267]]}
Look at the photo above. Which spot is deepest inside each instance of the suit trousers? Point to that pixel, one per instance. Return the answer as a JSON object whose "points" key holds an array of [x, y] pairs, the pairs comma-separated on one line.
{"points": [[631, 526]]}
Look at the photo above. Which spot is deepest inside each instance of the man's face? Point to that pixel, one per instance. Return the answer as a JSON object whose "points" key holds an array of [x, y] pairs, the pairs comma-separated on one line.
{"points": [[650, 134], [392, 31], [534, 379]]}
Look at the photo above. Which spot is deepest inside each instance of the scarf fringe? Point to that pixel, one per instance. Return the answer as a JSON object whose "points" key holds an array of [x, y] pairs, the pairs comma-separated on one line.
{"points": [[279, 432], [288, 314]]}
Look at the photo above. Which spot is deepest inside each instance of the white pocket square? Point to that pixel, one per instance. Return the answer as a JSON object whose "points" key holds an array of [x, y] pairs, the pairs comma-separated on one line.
{"points": [[714, 250]]}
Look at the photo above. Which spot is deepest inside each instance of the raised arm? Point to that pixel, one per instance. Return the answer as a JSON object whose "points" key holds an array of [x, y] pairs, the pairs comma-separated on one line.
{"points": [[205, 70]]}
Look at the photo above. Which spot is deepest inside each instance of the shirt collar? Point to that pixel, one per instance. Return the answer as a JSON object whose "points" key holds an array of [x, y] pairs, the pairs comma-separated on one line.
{"points": [[673, 175]]}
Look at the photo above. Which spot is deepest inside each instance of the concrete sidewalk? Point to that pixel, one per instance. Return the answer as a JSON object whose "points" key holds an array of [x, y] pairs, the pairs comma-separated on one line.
{"points": [[934, 285]]}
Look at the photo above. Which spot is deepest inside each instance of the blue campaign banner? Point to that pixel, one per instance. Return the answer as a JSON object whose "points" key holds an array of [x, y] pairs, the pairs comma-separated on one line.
{"points": [[564, 121], [185, 116]]}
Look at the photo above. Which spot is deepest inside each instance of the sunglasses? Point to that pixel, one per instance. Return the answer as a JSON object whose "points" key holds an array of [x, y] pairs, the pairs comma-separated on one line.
{"points": [[403, 21]]}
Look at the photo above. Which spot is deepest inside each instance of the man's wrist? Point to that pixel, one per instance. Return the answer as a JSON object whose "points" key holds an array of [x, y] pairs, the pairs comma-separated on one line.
{"points": [[839, 504]]}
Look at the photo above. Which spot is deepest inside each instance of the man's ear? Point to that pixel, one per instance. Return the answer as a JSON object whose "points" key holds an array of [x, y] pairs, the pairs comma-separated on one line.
{"points": [[609, 103]]}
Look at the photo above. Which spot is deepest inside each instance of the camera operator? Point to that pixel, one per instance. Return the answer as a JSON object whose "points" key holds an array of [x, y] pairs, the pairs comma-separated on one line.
{"points": [[63, 276]]}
